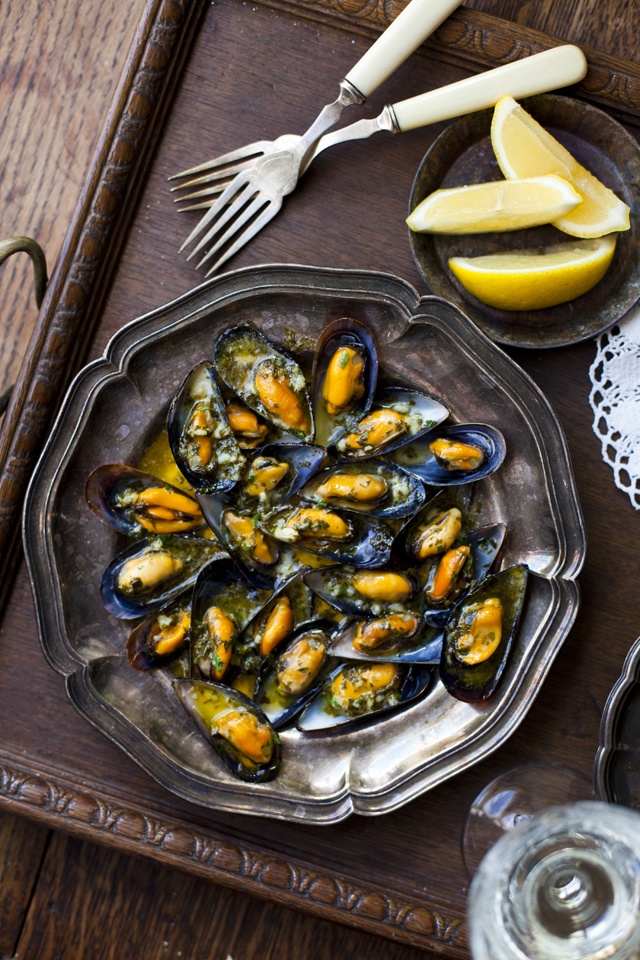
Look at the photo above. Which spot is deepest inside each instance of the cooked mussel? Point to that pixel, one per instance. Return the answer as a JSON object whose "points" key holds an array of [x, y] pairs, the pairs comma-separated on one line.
{"points": [[268, 380], [152, 572], [264, 561], [248, 430], [288, 684], [238, 731], [376, 487], [284, 611], [431, 530], [356, 592], [275, 474], [223, 601], [480, 635], [162, 637], [344, 376], [345, 538], [133, 502], [460, 453], [358, 690], [449, 576], [396, 417], [200, 436], [394, 638]]}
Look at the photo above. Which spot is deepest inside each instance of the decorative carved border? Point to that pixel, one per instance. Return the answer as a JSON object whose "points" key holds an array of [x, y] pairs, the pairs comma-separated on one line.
{"points": [[200, 851], [478, 41]]}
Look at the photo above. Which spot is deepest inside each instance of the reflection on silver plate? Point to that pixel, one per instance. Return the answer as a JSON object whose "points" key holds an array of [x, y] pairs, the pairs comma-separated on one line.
{"points": [[116, 406], [463, 154], [617, 763]]}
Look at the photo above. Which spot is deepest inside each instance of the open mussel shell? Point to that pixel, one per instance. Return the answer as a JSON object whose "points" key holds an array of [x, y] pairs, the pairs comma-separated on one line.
{"points": [[161, 637], [324, 713], [256, 492], [279, 706], [201, 439], [424, 647], [362, 593], [261, 638], [348, 396], [417, 458], [478, 681], [120, 495], [345, 538], [152, 572], [485, 544], [214, 707], [459, 496], [223, 588], [245, 550], [266, 378], [397, 417], [400, 493]]}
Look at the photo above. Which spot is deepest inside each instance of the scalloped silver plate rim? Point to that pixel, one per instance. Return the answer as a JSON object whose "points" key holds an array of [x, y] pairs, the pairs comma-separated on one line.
{"points": [[247, 282]]}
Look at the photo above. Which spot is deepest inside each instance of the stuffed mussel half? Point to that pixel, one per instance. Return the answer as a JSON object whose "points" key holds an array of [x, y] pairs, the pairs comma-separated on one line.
{"points": [[344, 377], [136, 503], [257, 554], [234, 726], [274, 474], [459, 453], [450, 575], [394, 638], [480, 635], [151, 573], [201, 439], [357, 593], [162, 637], [273, 625], [288, 681], [266, 378], [357, 691], [397, 417], [374, 487], [223, 601], [345, 538]]}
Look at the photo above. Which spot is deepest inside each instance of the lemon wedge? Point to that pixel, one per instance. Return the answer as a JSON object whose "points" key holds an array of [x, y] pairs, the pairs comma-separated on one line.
{"points": [[534, 279], [524, 149], [498, 206]]}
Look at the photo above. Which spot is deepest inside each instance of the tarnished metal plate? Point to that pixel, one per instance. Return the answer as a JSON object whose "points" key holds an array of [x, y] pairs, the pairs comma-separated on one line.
{"points": [[463, 155], [116, 406], [617, 764]]}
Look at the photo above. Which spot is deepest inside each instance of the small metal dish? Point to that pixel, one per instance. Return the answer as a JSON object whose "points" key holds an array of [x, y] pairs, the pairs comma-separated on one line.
{"points": [[463, 155], [115, 408], [616, 769]]}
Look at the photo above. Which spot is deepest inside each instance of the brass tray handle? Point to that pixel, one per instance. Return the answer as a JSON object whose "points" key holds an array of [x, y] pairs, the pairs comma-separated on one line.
{"points": [[40, 279]]}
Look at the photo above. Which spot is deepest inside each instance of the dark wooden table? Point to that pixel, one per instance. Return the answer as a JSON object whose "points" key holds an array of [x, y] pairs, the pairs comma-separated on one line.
{"points": [[61, 896]]}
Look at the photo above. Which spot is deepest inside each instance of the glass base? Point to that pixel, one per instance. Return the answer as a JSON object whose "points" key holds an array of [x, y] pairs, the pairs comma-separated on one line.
{"points": [[514, 797]]}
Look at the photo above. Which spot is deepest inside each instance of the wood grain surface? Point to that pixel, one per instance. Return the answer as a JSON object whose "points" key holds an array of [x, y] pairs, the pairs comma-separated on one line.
{"points": [[348, 211]]}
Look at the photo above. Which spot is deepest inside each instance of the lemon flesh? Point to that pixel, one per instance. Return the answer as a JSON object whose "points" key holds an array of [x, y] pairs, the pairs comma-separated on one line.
{"points": [[495, 207], [525, 149], [534, 279]]}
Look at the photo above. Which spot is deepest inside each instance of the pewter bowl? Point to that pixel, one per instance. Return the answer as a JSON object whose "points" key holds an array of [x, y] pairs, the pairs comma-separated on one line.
{"points": [[115, 407]]}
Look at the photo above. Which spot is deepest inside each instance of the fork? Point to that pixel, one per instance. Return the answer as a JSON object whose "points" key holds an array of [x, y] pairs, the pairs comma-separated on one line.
{"points": [[539, 73], [255, 194]]}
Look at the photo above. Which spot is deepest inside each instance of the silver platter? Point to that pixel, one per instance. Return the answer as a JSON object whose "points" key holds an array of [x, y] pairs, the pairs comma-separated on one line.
{"points": [[116, 406]]}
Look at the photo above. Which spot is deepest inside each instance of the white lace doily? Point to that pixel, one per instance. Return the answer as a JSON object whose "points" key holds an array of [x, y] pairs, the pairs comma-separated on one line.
{"points": [[615, 400]]}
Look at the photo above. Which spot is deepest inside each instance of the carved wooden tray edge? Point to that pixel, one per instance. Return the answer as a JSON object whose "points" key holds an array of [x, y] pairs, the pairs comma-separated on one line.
{"points": [[198, 850]]}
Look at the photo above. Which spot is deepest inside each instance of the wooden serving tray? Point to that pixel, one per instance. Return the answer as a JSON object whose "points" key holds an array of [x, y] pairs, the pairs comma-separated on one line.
{"points": [[202, 79]]}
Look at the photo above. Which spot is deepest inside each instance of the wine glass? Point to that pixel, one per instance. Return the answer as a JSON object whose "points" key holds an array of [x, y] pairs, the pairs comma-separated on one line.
{"points": [[514, 797], [562, 885]]}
